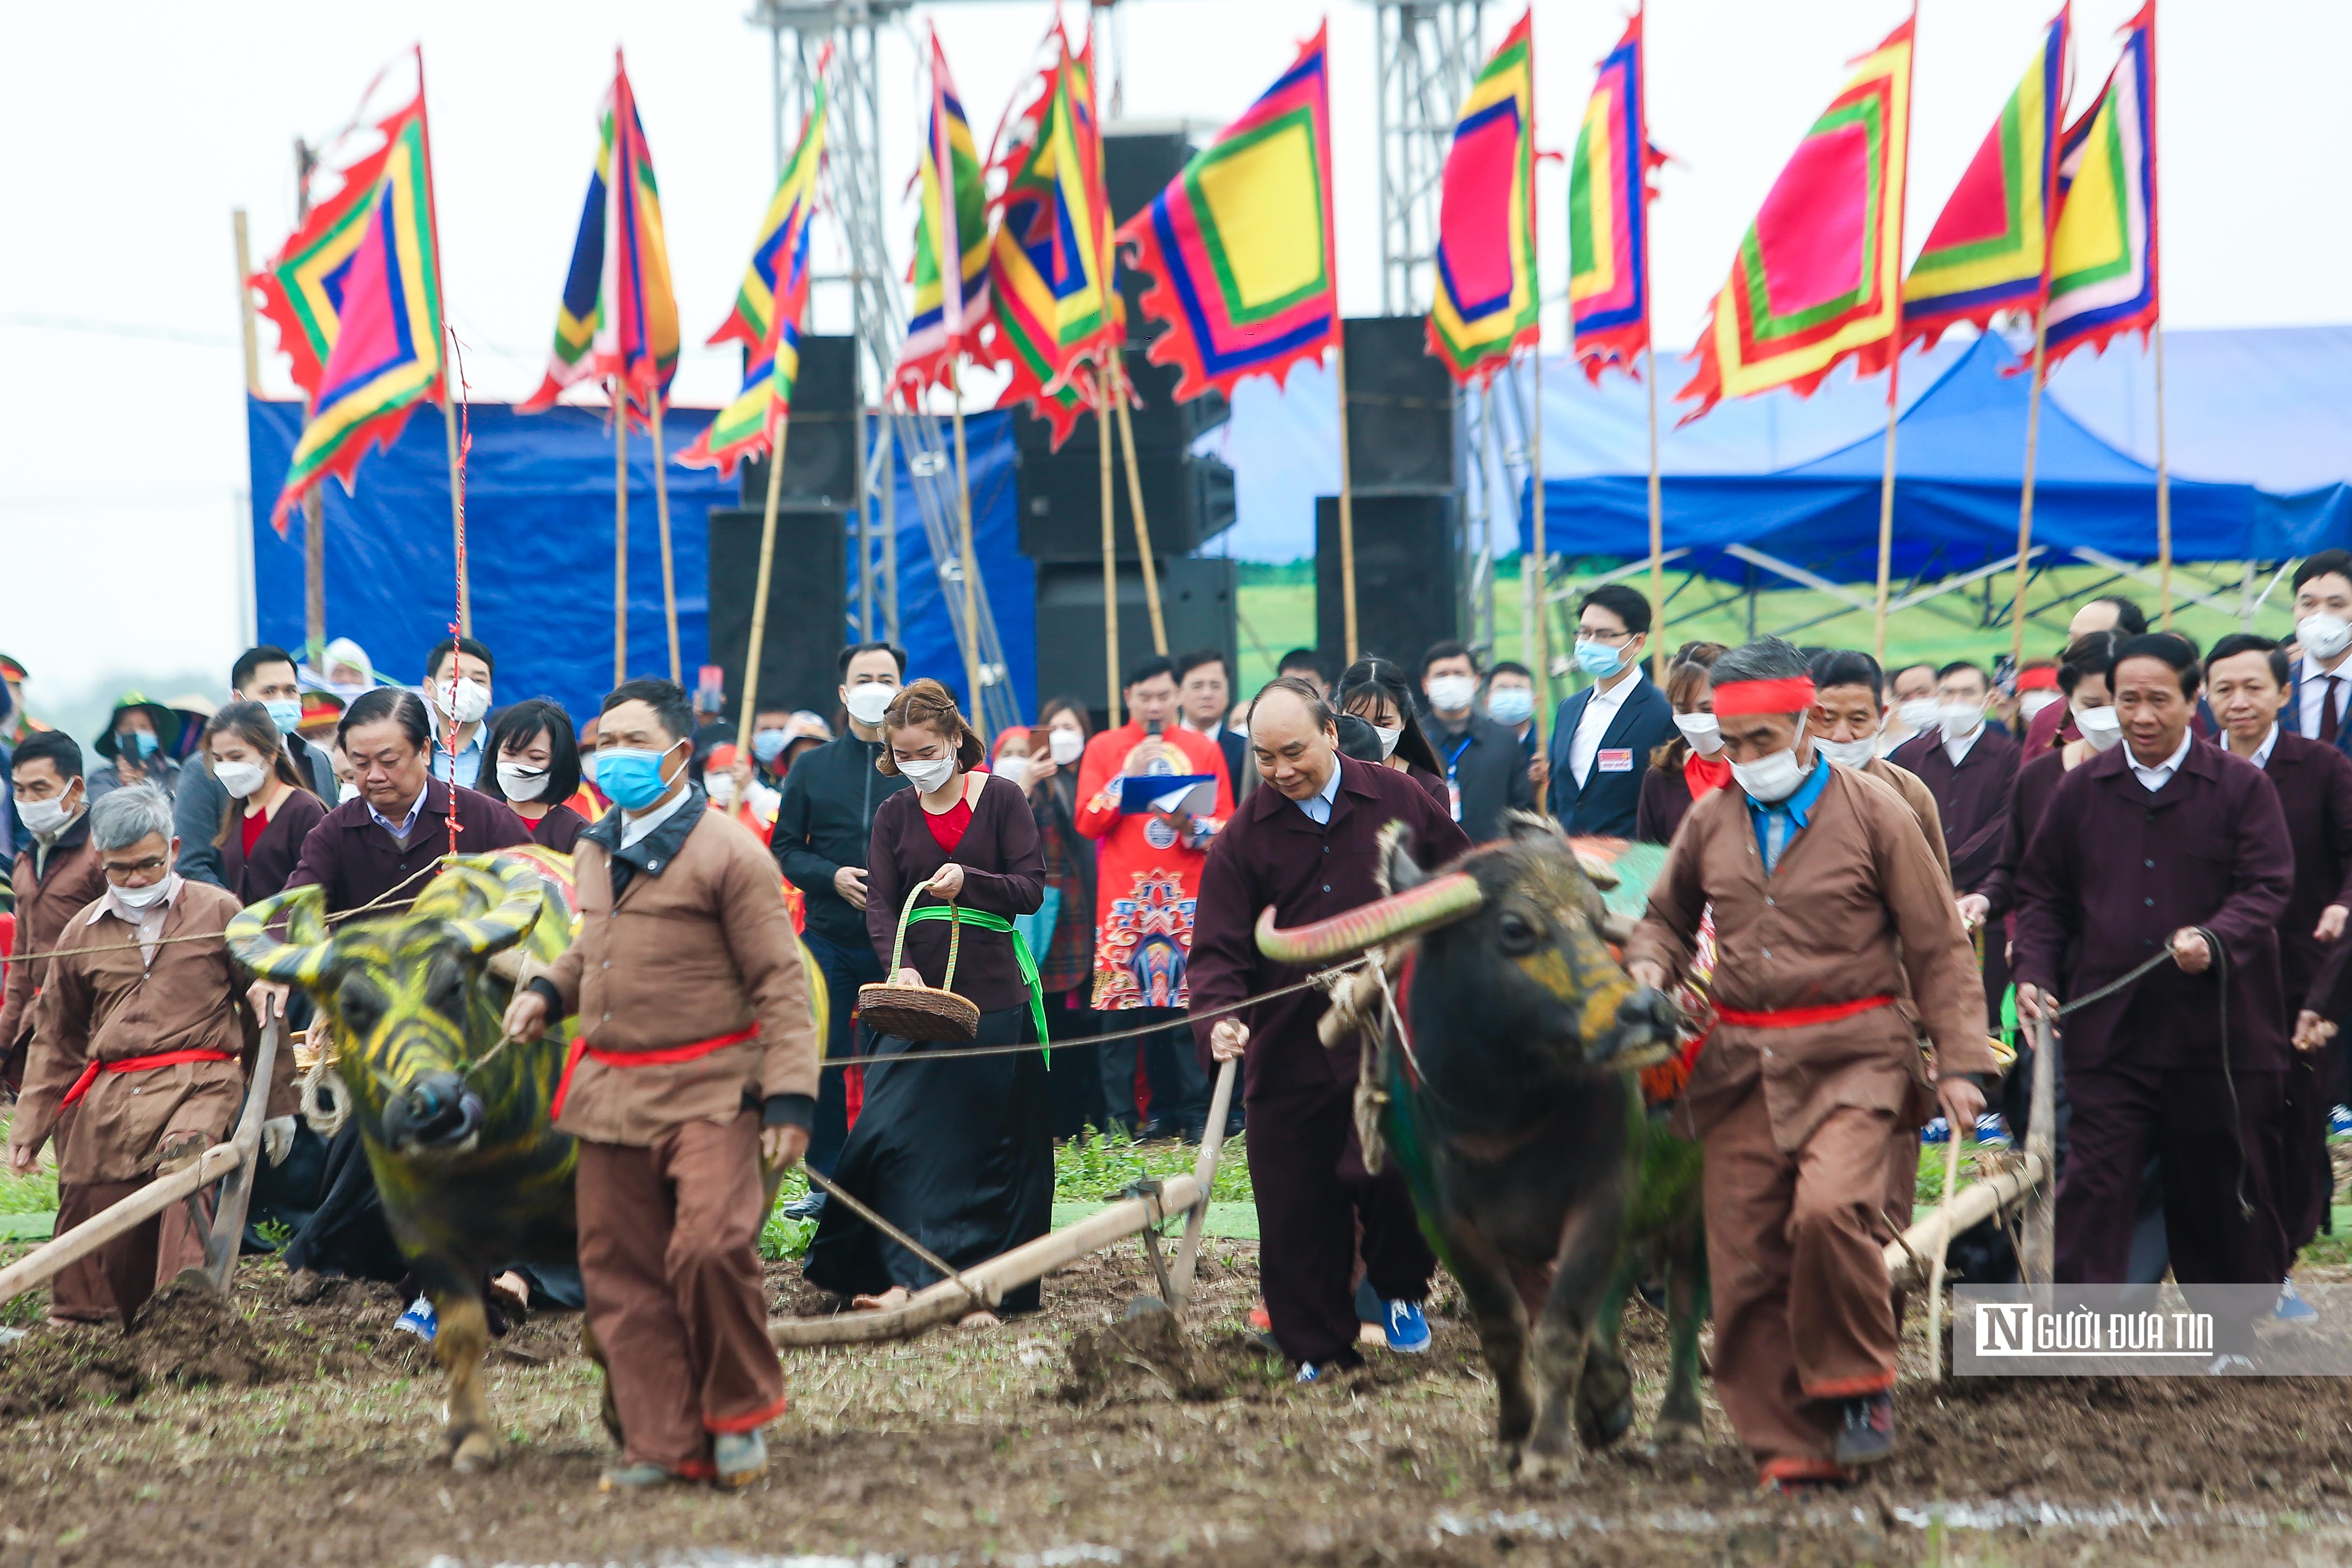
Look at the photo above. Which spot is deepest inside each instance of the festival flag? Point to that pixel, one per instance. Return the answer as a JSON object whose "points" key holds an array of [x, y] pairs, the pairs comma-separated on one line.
{"points": [[2103, 254], [1044, 281], [774, 295], [950, 241], [1819, 276], [301, 286], [386, 354], [1609, 198], [618, 317], [1487, 305], [1239, 247], [1989, 250]]}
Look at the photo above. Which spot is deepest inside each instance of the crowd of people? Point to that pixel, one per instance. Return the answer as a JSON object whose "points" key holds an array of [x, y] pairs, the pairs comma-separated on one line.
{"points": [[1880, 881]]}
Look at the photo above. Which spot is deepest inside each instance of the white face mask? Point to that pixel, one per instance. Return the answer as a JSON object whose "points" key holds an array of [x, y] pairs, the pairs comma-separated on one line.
{"points": [[1959, 719], [588, 766], [148, 896], [1388, 738], [466, 705], [1065, 746], [1702, 730], [720, 787], [1452, 694], [2324, 635], [349, 791], [2033, 701], [240, 778], [522, 783], [1919, 713], [1013, 770], [927, 776], [2100, 726], [47, 818], [867, 702], [1775, 778], [1853, 753]]}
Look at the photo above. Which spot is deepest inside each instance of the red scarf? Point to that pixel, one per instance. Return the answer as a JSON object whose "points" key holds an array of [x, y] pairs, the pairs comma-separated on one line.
{"points": [[1705, 773]]}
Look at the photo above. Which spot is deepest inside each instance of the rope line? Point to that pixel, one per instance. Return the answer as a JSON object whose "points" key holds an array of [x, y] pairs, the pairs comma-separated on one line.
{"points": [[336, 918]]}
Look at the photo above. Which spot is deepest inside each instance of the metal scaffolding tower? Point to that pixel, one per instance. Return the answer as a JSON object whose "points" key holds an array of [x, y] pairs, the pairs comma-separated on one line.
{"points": [[854, 191], [1427, 53]]}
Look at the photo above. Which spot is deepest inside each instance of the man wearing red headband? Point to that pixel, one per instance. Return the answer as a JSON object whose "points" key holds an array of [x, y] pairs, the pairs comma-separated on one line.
{"points": [[1828, 907]]}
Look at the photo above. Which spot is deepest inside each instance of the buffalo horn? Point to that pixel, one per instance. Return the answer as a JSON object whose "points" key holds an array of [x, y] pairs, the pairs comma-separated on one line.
{"points": [[297, 962], [518, 906], [1441, 901]]}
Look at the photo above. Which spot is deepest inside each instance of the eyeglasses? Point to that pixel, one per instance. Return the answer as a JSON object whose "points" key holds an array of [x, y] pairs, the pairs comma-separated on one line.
{"points": [[153, 864], [1593, 635]]}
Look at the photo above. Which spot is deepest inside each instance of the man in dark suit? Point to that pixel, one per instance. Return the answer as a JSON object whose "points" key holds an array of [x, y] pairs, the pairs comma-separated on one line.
{"points": [[1602, 737], [2246, 683], [2165, 841], [1486, 768], [1205, 694], [2319, 683], [1967, 766]]}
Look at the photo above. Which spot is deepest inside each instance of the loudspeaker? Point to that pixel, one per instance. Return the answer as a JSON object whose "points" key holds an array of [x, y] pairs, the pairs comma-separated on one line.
{"points": [[808, 615], [1408, 567], [1187, 501], [1163, 427], [1197, 599], [821, 452], [1402, 415]]}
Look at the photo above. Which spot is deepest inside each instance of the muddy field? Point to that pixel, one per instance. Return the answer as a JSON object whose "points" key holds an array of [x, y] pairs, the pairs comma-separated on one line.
{"points": [[278, 1434]]}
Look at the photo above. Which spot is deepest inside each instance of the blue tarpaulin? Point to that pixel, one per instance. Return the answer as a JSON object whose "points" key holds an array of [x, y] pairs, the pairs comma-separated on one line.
{"points": [[539, 550]]}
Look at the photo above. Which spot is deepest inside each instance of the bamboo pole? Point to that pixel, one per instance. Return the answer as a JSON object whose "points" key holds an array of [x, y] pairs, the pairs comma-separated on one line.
{"points": [[1886, 505], [1142, 525], [44, 1262], [2025, 495], [970, 564], [669, 568], [1942, 1249], [1996, 1194], [1537, 524], [759, 590], [250, 338], [1110, 555], [1204, 1177], [2041, 1143], [457, 504], [889, 532], [2163, 494], [620, 532], [1348, 504], [227, 1235]]}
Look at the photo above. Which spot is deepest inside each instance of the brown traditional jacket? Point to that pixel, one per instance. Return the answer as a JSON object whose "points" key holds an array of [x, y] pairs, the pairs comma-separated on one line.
{"points": [[697, 946], [50, 890], [1857, 909], [114, 1003], [1922, 801]]}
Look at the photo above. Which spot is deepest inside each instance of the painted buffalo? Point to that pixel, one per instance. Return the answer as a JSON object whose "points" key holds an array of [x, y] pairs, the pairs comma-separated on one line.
{"points": [[1511, 1103]]}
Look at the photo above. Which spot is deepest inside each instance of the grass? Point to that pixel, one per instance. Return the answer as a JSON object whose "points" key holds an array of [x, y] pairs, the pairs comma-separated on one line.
{"points": [[35, 1194], [1277, 604]]}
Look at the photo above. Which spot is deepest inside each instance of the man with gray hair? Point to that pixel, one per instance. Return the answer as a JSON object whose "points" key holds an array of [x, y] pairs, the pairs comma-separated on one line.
{"points": [[141, 1030], [1829, 909]]}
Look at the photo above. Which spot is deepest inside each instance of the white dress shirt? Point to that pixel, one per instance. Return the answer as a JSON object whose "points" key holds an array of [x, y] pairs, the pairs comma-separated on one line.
{"points": [[633, 829], [1600, 712], [2158, 776], [1957, 749], [2261, 757], [2311, 691], [1318, 805]]}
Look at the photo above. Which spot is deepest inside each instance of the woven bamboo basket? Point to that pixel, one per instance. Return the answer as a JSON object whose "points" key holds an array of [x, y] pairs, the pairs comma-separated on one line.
{"points": [[920, 1012]]}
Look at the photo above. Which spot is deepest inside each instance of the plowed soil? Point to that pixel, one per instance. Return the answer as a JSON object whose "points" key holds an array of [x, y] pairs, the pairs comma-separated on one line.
{"points": [[279, 1433]]}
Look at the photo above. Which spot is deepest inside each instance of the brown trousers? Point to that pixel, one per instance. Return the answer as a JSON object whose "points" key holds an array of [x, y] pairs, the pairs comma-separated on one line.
{"points": [[115, 1281], [1795, 1258], [669, 1252]]}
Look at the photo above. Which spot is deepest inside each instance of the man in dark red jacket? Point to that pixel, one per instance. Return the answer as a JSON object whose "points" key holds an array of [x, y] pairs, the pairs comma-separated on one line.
{"points": [[1307, 844], [1969, 766], [2152, 845], [2246, 684]]}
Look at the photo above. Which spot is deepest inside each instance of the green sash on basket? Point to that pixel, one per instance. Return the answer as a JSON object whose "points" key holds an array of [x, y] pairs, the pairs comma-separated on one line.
{"points": [[1020, 954]]}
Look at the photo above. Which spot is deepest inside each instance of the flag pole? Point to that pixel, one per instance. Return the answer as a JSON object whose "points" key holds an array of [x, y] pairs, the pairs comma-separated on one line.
{"points": [[2025, 491], [670, 570], [2163, 494], [759, 590], [1542, 549], [457, 501], [971, 561], [1110, 555], [1530, 595], [1142, 525], [1886, 498], [619, 532], [1348, 504], [1658, 509]]}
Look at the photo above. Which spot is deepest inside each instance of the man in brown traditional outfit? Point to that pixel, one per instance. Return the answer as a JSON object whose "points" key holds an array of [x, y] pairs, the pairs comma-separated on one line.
{"points": [[1827, 904], [141, 1027]]}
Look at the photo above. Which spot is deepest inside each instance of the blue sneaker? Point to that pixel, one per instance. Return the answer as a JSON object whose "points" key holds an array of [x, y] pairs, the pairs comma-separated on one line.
{"points": [[2339, 1120], [1408, 1330], [1308, 1373], [2292, 1308], [419, 1320]]}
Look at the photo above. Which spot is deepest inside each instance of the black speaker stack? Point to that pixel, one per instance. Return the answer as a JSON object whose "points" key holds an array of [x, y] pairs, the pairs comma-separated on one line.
{"points": [[1188, 500], [808, 612], [1404, 454]]}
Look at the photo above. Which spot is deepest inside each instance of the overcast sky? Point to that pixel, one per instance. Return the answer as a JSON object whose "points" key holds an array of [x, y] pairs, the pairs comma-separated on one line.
{"points": [[138, 126]]}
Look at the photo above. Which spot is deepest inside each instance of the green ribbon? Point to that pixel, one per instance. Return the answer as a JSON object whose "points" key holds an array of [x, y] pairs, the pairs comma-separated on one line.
{"points": [[1020, 954]]}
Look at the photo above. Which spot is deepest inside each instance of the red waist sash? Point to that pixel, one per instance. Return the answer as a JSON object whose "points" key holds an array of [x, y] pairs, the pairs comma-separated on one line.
{"points": [[1801, 1018], [665, 1056], [139, 1064]]}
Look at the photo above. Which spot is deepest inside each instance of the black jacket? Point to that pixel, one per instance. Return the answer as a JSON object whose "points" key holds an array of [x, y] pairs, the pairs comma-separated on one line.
{"points": [[1489, 766], [824, 822]]}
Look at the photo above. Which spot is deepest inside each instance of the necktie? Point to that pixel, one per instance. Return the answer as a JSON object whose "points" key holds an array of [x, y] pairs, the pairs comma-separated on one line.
{"points": [[2327, 710]]}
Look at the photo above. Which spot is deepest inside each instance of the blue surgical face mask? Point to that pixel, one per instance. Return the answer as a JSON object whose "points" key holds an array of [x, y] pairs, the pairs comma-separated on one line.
{"points": [[767, 744], [630, 776], [1510, 705], [285, 713], [1599, 658]]}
